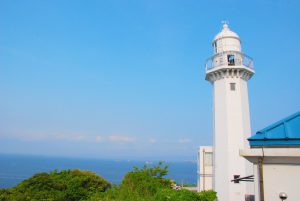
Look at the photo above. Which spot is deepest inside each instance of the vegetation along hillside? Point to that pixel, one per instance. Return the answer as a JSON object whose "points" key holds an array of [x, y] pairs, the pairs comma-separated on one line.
{"points": [[142, 184]]}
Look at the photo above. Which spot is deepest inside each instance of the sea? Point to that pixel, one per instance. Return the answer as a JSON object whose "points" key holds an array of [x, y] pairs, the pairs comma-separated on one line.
{"points": [[16, 168]]}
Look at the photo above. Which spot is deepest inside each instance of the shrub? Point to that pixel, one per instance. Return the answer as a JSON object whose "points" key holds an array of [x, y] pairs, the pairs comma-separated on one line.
{"points": [[67, 185], [177, 195], [208, 195], [148, 184], [142, 184]]}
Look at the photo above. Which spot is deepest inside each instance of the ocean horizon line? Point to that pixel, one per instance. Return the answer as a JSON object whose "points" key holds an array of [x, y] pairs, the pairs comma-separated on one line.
{"points": [[99, 158]]}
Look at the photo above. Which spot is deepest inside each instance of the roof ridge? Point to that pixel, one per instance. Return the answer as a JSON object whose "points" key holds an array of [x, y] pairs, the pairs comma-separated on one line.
{"points": [[278, 123], [284, 132]]}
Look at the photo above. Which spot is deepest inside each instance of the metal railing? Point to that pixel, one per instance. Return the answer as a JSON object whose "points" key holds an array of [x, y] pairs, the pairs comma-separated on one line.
{"points": [[221, 59]]}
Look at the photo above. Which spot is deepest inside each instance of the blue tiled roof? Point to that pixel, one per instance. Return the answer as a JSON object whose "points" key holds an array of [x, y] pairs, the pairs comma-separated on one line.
{"points": [[282, 133]]}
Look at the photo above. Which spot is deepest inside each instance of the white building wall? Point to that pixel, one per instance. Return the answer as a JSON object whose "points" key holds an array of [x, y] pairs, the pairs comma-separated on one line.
{"points": [[281, 172], [232, 128], [250, 188], [205, 168], [256, 181], [221, 173], [228, 44], [281, 178]]}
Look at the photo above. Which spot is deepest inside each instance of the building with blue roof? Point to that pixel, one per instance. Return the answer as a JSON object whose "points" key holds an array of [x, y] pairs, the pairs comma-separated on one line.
{"points": [[284, 133], [275, 154]]}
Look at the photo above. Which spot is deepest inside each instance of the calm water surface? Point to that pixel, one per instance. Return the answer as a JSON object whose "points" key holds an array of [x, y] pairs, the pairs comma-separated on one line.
{"points": [[15, 168]]}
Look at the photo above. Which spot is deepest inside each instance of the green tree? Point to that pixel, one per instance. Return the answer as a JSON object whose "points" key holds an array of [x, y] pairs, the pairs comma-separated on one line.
{"points": [[177, 195], [67, 185], [141, 184], [208, 195], [147, 184], [159, 171]]}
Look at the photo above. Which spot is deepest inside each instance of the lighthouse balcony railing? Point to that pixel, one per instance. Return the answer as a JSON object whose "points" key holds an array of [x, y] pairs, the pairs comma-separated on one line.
{"points": [[229, 58]]}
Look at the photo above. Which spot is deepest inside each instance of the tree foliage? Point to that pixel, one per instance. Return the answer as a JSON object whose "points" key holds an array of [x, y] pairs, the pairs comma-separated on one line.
{"points": [[148, 184], [159, 171], [208, 195], [141, 184], [67, 185]]}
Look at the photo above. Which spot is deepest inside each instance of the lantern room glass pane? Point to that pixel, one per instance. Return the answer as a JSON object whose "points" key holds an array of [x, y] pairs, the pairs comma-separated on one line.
{"points": [[230, 60]]}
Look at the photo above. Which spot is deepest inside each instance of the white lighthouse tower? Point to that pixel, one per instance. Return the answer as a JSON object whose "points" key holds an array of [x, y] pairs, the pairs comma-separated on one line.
{"points": [[228, 70]]}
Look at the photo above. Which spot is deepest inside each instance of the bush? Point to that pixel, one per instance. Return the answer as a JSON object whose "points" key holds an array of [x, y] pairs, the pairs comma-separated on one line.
{"points": [[4, 194], [177, 195], [148, 184], [142, 184], [67, 185], [208, 195]]}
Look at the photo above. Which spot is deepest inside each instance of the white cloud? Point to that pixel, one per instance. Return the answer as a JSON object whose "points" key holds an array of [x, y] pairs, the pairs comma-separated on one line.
{"points": [[99, 138], [68, 137], [27, 135], [121, 138], [79, 137], [152, 140], [184, 141], [60, 136], [75, 136]]}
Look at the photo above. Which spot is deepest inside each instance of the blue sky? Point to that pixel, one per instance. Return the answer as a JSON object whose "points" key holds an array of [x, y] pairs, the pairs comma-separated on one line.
{"points": [[125, 79]]}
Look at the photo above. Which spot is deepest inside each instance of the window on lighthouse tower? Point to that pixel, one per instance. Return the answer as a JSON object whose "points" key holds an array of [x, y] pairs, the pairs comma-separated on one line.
{"points": [[215, 47], [232, 86], [230, 59]]}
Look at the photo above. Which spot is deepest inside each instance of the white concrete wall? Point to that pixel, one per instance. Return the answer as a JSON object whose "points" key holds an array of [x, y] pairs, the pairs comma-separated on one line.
{"points": [[256, 181], [228, 44], [220, 145], [250, 188], [281, 172], [281, 178], [231, 129], [205, 168]]}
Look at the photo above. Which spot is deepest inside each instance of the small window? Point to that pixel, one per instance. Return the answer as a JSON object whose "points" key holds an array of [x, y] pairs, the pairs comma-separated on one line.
{"points": [[230, 59], [232, 86], [215, 47], [208, 158]]}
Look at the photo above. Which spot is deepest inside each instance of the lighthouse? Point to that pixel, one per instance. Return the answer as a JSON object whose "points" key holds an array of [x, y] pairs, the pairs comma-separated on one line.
{"points": [[229, 70]]}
